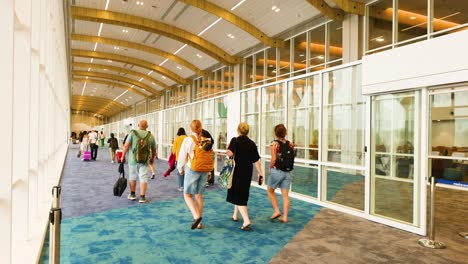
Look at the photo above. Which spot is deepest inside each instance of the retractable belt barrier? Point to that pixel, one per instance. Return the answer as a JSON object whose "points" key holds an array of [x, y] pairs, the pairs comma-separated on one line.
{"points": [[55, 219], [431, 242]]}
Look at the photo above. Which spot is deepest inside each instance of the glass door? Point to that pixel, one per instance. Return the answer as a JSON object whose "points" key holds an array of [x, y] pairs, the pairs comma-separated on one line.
{"points": [[394, 172]]}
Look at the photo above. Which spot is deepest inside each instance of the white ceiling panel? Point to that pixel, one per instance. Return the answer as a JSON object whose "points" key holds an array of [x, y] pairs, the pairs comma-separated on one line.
{"points": [[86, 28], [98, 4], [167, 44], [178, 69], [191, 14], [82, 45], [149, 57], [99, 61], [154, 75], [261, 15], [190, 54], [151, 9], [226, 4], [218, 35], [120, 32]]}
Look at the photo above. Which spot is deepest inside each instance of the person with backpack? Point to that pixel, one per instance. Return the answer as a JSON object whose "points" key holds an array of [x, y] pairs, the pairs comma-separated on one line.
{"points": [[282, 163], [113, 146], [142, 147], [194, 161]]}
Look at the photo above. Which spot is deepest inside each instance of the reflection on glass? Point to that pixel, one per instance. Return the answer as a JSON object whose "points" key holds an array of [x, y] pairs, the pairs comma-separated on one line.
{"points": [[412, 19], [221, 123], [316, 48], [392, 176], [250, 103], [249, 72], [305, 180], [207, 117], [343, 114], [272, 112], [379, 24], [344, 187], [271, 65], [300, 61], [297, 119], [259, 66], [284, 60], [449, 140], [449, 14], [335, 38]]}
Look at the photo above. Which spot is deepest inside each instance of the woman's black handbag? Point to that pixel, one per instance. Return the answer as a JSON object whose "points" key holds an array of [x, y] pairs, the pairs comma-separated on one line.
{"points": [[121, 184]]}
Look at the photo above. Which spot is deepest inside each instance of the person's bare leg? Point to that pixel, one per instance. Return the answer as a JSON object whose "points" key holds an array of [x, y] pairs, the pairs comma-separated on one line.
{"points": [[286, 203], [236, 211], [245, 214], [274, 202], [199, 200], [132, 186], [191, 205], [143, 186]]}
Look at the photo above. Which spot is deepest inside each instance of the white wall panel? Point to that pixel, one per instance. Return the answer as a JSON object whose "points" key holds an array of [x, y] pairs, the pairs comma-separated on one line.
{"points": [[436, 61]]}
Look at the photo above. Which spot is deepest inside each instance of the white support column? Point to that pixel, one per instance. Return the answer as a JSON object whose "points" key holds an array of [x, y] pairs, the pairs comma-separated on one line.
{"points": [[6, 108], [21, 95], [351, 38]]}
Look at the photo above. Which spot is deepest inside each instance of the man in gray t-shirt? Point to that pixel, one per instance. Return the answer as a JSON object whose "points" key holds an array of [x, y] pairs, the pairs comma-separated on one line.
{"points": [[139, 169]]}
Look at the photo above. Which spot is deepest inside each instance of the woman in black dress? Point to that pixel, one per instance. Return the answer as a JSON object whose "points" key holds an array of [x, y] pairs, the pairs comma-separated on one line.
{"points": [[245, 154]]}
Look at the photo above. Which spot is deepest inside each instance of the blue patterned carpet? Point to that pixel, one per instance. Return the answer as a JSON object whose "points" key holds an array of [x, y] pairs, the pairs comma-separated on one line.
{"points": [[159, 232]]}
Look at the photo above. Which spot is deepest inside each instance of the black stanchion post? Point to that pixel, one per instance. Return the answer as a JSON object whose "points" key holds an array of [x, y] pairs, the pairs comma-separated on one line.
{"points": [[55, 219], [431, 242]]}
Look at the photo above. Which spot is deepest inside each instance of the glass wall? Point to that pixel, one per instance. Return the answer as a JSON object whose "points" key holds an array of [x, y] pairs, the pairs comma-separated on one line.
{"points": [[326, 105], [448, 126], [219, 82], [393, 23], [394, 131]]}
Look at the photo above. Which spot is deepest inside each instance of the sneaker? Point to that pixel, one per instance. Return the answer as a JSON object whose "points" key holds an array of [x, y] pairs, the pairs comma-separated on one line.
{"points": [[181, 189], [131, 197], [112, 161], [152, 177], [142, 200]]}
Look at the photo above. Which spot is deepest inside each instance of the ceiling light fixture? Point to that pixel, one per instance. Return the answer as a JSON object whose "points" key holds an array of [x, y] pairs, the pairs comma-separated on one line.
{"points": [[84, 87], [100, 29], [107, 5], [181, 48], [141, 79], [95, 46], [109, 60], [380, 39], [89, 69], [178, 67], [199, 56], [237, 5], [273, 7], [160, 64], [320, 57], [115, 47], [121, 95], [230, 35], [132, 85], [277, 10], [150, 72], [153, 83], [164, 77], [208, 27], [124, 30], [412, 17], [301, 55], [140, 3], [92, 59]]}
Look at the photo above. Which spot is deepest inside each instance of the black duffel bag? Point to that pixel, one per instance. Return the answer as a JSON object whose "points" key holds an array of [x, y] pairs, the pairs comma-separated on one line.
{"points": [[121, 184]]}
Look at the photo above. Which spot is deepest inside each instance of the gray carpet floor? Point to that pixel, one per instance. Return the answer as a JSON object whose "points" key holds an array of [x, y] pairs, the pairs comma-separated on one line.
{"points": [[87, 186]]}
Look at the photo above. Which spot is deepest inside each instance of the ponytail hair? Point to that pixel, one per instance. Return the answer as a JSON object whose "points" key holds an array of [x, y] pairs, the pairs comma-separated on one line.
{"points": [[196, 127]]}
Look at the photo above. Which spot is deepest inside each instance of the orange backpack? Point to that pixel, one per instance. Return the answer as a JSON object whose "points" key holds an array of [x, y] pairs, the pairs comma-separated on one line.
{"points": [[202, 159]]}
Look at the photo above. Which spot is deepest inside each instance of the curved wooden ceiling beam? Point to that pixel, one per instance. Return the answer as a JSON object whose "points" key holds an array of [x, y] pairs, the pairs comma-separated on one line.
{"points": [[116, 85], [95, 104], [235, 20], [326, 10], [140, 47], [121, 19], [351, 6], [119, 69], [117, 78], [129, 60]]}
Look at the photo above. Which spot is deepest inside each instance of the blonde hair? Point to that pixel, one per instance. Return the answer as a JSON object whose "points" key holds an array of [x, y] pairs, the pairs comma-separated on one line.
{"points": [[196, 126], [243, 129]]}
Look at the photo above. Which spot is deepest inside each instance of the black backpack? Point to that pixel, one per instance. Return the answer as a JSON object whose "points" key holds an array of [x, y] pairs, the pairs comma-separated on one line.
{"points": [[285, 156], [114, 144]]}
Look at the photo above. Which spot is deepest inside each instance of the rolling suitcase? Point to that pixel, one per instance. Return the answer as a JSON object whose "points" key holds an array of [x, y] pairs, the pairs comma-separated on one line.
{"points": [[118, 155], [87, 156]]}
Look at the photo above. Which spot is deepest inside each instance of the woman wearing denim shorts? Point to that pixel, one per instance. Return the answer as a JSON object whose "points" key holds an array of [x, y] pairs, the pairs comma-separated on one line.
{"points": [[194, 182], [278, 178]]}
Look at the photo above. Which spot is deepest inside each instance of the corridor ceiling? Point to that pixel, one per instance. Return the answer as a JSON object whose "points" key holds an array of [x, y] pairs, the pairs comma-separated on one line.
{"points": [[123, 51]]}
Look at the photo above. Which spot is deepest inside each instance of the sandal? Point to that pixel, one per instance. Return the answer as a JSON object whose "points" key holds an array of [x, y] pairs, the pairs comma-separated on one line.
{"points": [[235, 220], [200, 226], [246, 228], [195, 223], [275, 217]]}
